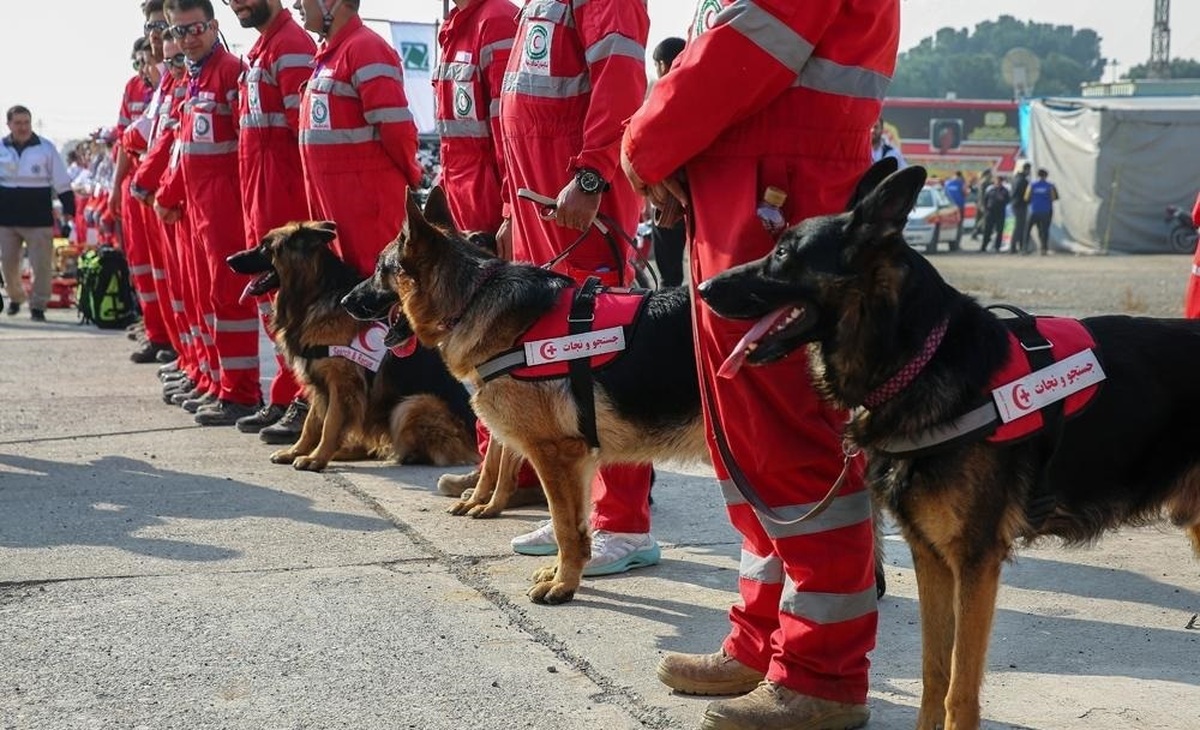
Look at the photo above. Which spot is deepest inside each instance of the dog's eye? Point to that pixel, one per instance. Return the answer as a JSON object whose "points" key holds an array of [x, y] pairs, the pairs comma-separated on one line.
{"points": [[782, 253]]}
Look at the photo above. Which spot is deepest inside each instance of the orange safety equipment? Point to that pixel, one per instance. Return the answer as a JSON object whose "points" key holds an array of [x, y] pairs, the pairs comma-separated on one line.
{"points": [[778, 93], [475, 44], [358, 142]]}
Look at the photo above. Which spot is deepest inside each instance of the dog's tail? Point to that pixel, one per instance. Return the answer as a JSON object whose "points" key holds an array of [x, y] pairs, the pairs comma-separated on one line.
{"points": [[425, 431]]}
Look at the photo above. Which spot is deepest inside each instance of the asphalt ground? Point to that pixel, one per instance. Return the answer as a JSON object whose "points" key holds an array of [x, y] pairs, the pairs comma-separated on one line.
{"points": [[156, 574]]}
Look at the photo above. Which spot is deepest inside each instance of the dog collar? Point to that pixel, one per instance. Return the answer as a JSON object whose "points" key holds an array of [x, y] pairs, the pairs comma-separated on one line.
{"points": [[493, 267], [909, 372]]}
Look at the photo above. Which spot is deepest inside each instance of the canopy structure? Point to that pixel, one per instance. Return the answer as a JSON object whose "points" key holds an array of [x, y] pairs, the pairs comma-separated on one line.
{"points": [[1118, 163]]}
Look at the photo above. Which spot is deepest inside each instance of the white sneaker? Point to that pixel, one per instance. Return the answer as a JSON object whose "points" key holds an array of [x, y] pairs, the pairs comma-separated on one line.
{"points": [[617, 552], [539, 541]]}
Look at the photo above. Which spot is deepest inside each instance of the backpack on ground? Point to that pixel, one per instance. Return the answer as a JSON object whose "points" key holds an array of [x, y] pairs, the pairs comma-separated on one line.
{"points": [[104, 294]]}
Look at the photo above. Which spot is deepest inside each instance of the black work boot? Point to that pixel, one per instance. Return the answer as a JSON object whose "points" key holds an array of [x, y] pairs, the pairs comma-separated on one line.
{"points": [[260, 419], [287, 429]]}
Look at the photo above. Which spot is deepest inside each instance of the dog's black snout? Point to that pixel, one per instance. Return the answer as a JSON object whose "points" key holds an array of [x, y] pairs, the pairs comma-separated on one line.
{"points": [[367, 304]]}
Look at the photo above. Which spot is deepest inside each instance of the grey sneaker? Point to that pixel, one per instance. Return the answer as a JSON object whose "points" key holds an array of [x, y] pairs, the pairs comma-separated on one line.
{"points": [[224, 413], [287, 429]]}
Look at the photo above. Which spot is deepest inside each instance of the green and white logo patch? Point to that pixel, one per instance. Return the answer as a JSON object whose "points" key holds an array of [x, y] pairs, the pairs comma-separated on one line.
{"points": [[464, 101], [535, 56], [706, 14], [415, 56]]}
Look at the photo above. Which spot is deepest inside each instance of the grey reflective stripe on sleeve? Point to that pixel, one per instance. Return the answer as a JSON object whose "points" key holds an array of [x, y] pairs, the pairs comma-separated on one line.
{"points": [[455, 71], [207, 107], [760, 569], [208, 148], [462, 128], [237, 325], [140, 270], [767, 32], [262, 120], [124, 121], [821, 74], [160, 274], [827, 608], [327, 85], [338, 136], [551, 87], [731, 493], [615, 44], [844, 511], [149, 296], [291, 60], [239, 363], [291, 101], [494, 108], [552, 10], [486, 52], [374, 71], [137, 106], [386, 114], [260, 75]]}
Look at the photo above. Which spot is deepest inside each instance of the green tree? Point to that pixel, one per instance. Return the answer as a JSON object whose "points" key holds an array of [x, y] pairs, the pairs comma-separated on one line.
{"points": [[1179, 68], [968, 64]]}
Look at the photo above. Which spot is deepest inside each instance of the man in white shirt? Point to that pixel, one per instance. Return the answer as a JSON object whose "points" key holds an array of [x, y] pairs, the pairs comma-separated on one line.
{"points": [[880, 147], [30, 171]]}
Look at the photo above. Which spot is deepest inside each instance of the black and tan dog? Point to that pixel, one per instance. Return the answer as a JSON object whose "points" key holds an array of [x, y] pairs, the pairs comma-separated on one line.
{"points": [[408, 408], [939, 383], [473, 307]]}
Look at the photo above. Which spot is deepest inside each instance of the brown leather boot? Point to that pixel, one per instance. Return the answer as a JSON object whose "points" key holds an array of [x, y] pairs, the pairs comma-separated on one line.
{"points": [[707, 674], [775, 707]]}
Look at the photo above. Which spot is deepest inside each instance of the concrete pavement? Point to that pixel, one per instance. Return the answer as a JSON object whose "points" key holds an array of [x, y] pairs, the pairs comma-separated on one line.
{"points": [[156, 574]]}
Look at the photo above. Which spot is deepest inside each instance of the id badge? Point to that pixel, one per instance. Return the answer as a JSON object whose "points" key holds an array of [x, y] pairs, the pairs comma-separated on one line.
{"points": [[202, 129], [318, 112]]}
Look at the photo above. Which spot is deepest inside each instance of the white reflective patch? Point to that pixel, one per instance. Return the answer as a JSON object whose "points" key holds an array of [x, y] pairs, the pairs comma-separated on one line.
{"points": [[367, 349], [573, 347], [1048, 385]]}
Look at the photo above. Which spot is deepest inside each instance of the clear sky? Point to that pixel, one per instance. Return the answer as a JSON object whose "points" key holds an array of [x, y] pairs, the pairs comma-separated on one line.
{"points": [[68, 59]]}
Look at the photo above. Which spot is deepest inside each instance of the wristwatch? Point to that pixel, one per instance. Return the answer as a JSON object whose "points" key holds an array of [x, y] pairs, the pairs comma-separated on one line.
{"points": [[589, 181]]}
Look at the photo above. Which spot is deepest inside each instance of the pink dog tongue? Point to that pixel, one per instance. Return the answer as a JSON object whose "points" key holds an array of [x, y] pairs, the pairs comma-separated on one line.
{"points": [[246, 295], [406, 348], [737, 358]]}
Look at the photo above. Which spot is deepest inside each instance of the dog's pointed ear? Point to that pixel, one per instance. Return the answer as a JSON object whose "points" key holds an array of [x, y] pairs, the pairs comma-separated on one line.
{"points": [[437, 209], [325, 230], [871, 179], [414, 208], [887, 206]]}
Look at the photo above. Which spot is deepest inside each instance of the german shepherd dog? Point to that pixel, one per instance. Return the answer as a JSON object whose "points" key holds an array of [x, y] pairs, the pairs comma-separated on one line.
{"points": [[471, 307], [849, 288], [411, 410]]}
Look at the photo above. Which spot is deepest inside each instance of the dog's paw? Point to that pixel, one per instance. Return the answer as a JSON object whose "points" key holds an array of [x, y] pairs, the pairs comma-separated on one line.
{"points": [[460, 508], [283, 456], [546, 574], [308, 463], [484, 511], [551, 592]]}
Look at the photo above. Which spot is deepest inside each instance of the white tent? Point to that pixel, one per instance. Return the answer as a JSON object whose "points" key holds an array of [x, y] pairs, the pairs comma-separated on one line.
{"points": [[1118, 162]]}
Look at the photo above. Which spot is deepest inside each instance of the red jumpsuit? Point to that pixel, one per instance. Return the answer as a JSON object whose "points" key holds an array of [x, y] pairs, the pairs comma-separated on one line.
{"points": [[1191, 301], [136, 142], [268, 151], [134, 236], [576, 73], [778, 93], [208, 161], [475, 45], [358, 142]]}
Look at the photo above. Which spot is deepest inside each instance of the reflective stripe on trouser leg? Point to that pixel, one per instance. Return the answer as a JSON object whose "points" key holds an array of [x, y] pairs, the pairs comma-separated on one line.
{"points": [[156, 248], [141, 276], [788, 444], [284, 386]]}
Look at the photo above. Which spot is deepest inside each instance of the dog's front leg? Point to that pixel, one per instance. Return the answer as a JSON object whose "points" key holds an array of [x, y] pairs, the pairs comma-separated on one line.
{"points": [[505, 484], [975, 588], [485, 484], [332, 433], [935, 594], [310, 433], [565, 468]]}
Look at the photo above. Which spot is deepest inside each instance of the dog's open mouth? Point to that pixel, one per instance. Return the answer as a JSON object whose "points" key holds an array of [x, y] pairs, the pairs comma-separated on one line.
{"points": [[400, 338], [771, 338], [260, 285]]}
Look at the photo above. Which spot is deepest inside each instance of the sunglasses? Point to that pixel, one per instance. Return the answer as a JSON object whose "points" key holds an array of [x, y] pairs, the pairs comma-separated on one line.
{"points": [[193, 29], [156, 26], [179, 60]]}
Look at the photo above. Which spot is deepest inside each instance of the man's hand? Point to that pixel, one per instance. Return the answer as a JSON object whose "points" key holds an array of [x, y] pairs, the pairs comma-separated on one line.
{"points": [[114, 204], [576, 209], [168, 215], [504, 240], [666, 195]]}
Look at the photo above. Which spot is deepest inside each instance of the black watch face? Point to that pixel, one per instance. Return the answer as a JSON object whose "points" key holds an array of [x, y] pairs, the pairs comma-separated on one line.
{"points": [[589, 181]]}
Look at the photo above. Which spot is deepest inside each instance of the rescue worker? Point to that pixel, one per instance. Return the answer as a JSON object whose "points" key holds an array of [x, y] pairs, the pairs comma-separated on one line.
{"points": [[31, 173], [780, 94], [271, 175], [208, 163], [577, 71], [358, 140], [475, 43], [1191, 300], [139, 91]]}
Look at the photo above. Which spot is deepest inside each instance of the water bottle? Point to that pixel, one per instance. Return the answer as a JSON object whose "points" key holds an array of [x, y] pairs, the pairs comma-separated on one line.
{"points": [[769, 210]]}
